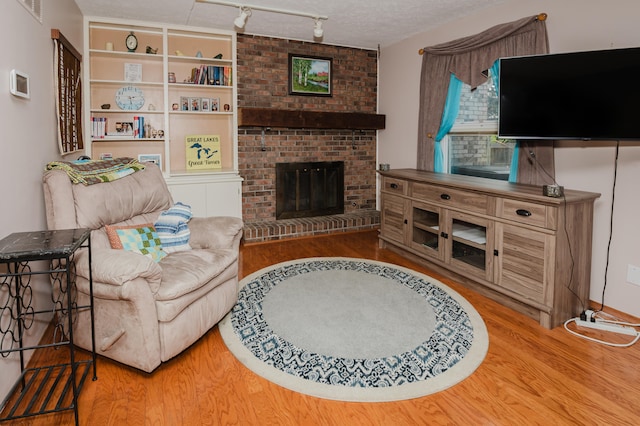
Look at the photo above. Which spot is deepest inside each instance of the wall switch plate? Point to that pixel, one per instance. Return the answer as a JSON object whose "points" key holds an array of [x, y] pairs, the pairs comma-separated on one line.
{"points": [[633, 274]]}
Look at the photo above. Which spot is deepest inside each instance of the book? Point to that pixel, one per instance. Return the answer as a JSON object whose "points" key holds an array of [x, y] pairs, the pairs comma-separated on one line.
{"points": [[98, 127], [203, 152], [227, 76]]}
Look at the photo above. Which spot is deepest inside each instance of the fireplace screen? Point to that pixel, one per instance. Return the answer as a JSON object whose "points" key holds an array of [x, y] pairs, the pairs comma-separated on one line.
{"points": [[309, 189]]}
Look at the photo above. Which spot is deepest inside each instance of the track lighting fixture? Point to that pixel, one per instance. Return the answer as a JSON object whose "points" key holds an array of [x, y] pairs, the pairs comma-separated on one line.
{"points": [[241, 20], [318, 32], [245, 12]]}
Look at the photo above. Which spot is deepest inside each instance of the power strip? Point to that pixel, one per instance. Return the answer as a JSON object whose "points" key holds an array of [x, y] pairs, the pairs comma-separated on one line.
{"points": [[603, 326]]}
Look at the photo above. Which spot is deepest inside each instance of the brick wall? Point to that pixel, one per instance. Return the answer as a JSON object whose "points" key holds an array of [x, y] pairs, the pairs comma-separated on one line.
{"points": [[263, 83]]}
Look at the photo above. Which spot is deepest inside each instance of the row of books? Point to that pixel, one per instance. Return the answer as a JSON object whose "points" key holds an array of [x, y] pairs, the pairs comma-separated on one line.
{"points": [[138, 127], [211, 75], [100, 128]]}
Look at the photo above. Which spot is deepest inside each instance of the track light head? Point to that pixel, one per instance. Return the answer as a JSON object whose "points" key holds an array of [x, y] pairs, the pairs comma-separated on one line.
{"points": [[241, 20], [318, 32]]}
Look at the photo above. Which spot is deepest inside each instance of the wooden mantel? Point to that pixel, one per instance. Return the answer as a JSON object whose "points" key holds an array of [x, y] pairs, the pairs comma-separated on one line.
{"points": [[269, 117]]}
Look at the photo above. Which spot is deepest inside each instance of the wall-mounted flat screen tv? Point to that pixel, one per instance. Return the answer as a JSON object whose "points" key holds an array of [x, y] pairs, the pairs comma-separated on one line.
{"points": [[581, 95]]}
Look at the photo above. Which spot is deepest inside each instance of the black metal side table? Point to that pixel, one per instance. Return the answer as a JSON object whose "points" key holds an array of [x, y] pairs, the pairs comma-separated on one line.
{"points": [[53, 388]]}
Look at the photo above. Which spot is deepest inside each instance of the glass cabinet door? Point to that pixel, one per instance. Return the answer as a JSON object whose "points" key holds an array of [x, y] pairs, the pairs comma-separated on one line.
{"points": [[426, 229], [471, 239]]}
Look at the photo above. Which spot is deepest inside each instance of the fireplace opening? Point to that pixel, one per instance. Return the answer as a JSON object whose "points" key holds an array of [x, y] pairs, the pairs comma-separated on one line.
{"points": [[309, 189]]}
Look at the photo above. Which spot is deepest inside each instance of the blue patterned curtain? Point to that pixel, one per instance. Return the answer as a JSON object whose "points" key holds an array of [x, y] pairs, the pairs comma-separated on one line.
{"points": [[449, 115]]}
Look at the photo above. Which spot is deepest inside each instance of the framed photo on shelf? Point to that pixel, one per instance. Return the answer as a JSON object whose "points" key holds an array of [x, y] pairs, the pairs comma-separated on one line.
{"points": [[195, 104], [124, 128], [215, 104], [310, 75], [206, 104], [184, 103], [151, 158]]}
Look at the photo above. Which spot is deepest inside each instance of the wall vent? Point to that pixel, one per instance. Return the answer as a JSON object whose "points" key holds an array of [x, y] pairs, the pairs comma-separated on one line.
{"points": [[34, 7]]}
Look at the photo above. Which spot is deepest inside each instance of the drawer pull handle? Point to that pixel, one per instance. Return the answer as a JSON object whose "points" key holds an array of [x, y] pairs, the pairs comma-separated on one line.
{"points": [[523, 212], [445, 196], [394, 186]]}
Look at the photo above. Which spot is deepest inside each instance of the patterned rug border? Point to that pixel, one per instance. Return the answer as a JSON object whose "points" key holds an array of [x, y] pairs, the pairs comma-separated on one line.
{"points": [[461, 370]]}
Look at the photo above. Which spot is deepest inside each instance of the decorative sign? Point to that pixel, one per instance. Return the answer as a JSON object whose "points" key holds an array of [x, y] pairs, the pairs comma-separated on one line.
{"points": [[133, 73], [203, 152]]}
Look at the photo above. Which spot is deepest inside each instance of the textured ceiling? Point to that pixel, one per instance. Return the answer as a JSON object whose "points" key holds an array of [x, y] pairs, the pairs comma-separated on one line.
{"points": [[356, 23]]}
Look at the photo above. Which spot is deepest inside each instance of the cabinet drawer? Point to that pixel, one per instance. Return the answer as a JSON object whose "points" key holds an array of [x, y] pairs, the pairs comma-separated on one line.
{"points": [[530, 213], [396, 186], [465, 200]]}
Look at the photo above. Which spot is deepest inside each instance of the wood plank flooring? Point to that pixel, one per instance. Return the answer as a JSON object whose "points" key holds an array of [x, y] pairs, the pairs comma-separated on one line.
{"points": [[531, 376]]}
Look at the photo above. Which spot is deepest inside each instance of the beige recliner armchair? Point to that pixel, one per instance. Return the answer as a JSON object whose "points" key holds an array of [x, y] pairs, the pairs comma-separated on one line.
{"points": [[146, 312]]}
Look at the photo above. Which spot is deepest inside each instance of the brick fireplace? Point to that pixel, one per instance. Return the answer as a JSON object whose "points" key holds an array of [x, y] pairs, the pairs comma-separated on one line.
{"points": [[263, 83]]}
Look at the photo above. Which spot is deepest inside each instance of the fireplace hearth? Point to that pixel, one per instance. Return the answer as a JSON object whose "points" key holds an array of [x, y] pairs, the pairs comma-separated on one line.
{"points": [[309, 189]]}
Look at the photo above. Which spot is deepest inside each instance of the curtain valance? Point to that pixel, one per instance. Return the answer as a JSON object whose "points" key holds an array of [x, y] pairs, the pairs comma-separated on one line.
{"points": [[469, 58]]}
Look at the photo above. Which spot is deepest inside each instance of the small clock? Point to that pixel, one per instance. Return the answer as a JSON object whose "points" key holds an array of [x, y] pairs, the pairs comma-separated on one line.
{"points": [[131, 42], [129, 98]]}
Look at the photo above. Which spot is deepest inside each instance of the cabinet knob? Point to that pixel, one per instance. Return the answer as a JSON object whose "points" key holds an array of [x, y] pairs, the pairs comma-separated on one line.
{"points": [[394, 186], [406, 221], [523, 212], [444, 235], [445, 196]]}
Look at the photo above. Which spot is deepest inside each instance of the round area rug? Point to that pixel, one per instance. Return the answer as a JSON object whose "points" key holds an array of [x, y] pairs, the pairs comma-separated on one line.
{"points": [[354, 330]]}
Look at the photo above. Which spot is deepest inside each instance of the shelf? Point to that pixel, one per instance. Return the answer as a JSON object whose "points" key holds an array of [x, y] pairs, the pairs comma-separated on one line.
{"points": [[470, 233], [193, 85], [184, 173], [477, 261], [126, 139], [96, 111], [426, 227], [125, 55], [271, 117], [202, 112], [53, 394], [213, 61], [124, 82]]}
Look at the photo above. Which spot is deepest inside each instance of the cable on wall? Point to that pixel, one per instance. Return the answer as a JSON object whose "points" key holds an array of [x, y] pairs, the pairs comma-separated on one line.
{"points": [[613, 202]]}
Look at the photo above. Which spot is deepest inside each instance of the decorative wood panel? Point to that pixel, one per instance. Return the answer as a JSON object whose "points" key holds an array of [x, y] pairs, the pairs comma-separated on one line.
{"points": [[267, 117]]}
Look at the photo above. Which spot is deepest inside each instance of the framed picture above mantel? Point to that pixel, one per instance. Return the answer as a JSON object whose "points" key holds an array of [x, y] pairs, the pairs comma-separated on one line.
{"points": [[310, 75]]}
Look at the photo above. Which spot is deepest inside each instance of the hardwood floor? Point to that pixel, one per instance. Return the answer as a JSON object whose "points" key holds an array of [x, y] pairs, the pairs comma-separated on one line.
{"points": [[530, 375]]}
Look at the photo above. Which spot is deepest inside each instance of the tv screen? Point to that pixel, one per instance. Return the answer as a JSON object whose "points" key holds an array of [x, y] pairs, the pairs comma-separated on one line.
{"points": [[581, 95]]}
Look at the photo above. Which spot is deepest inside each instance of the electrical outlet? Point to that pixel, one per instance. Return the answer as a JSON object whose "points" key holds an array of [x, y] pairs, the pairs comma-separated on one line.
{"points": [[633, 274]]}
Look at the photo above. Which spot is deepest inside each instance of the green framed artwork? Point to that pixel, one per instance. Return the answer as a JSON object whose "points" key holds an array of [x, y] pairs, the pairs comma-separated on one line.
{"points": [[310, 75]]}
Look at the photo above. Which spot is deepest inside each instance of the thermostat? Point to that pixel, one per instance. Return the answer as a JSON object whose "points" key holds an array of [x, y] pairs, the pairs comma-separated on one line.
{"points": [[19, 84]]}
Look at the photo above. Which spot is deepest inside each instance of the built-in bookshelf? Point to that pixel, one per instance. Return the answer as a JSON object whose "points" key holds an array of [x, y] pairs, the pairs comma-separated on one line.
{"points": [[148, 101]]}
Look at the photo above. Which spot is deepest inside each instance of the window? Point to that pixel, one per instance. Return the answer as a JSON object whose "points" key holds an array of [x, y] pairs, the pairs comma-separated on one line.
{"points": [[34, 7], [472, 146]]}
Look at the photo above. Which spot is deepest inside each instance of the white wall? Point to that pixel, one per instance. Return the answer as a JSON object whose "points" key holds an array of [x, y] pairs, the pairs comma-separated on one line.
{"points": [[28, 138], [572, 25]]}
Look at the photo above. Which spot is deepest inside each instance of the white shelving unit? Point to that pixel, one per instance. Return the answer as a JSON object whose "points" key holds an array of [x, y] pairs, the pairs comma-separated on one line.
{"points": [[178, 51]]}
